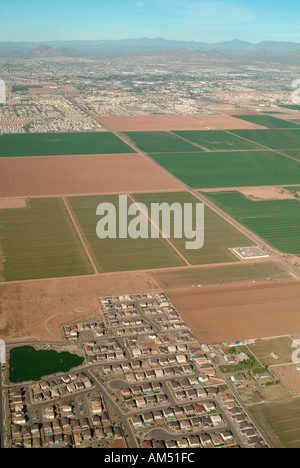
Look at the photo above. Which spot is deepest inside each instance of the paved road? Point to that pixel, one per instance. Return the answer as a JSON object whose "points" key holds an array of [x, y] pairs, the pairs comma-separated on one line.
{"points": [[2, 433], [118, 411]]}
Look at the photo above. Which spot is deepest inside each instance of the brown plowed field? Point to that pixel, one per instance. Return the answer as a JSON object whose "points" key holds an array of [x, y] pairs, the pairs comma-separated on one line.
{"points": [[175, 122], [238, 312], [76, 175]]}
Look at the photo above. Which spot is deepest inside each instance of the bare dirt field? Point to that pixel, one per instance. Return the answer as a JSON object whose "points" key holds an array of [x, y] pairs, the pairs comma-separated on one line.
{"points": [[227, 110], [36, 309], [175, 122], [289, 377], [226, 122], [256, 193], [238, 312], [14, 122], [290, 116], [266, 193], [75, 175], [10, 203], [117, 444]]}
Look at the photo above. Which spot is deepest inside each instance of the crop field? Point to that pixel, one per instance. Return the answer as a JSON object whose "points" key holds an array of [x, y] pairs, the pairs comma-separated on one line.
{"points": [[279, 139], [57, 144], [217, 140], [160, 142], [215, 249], [281, 421], [215, 274], [231, 169], [275, 221], [294, 153], [40, 242], [267, 121], [291, 107], [120, 254], [293, 189], [82, 174]]}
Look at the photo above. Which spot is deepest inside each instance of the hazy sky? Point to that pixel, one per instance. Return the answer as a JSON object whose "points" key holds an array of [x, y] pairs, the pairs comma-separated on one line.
{"points": [[208, 21]]}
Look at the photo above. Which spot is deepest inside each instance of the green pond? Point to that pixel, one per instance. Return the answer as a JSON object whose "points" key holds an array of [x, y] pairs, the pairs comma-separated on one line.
{"points": [[26, 363]]}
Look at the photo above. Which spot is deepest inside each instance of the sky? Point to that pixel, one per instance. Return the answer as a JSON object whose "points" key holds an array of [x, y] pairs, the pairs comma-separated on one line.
{"points": [[189, 20]]}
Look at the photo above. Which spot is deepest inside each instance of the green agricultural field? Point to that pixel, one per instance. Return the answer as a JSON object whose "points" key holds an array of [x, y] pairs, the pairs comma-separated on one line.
{"points": [[274, 139], [219, 235], [293, 189], [267, 121], [160, 142], [58, 144], [281, 421], [275, 221], [217, 140], [224, 274], [291, 107], [120, 254], [294, 153], [26, 363], [232, 169], [40, 242]]}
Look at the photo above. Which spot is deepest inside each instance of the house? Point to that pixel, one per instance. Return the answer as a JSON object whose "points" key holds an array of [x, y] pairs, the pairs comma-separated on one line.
{"points": [[125, 392], [158, 415], [216, 419], [217, 440], [148, 419], [226, 435], [183, 443], [137, 422], [238, 378], [168, 413], [185, 425], [179, 413], [199, 409], [171, 444], [205, 439], [140, 402], [262, 375], [194, 442], [209, 406]]}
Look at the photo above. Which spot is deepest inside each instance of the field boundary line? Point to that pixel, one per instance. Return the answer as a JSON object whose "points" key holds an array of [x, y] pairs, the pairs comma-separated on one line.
{"points": [[80, 235], [266, 147], [160, 231], [191, 143]]}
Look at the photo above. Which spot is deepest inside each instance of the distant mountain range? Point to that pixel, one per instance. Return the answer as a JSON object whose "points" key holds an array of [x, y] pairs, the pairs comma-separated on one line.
{"points": [[46, 51], [133, 46]]}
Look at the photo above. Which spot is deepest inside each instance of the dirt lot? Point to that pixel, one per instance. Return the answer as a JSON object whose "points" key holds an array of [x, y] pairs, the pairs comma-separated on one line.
{"points": [[219, 122], [9, 203], [36, 309], [258, 193], [289, 377], [14, 122], [237, 312], [266, 193], [117, 444], [75, 175], [175, 122], [227, 110]]}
